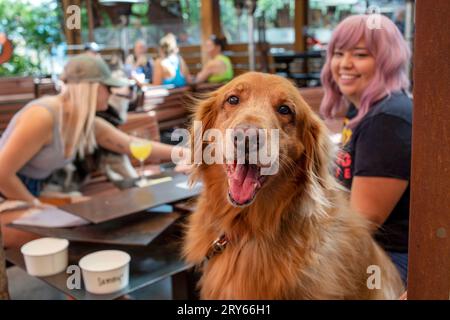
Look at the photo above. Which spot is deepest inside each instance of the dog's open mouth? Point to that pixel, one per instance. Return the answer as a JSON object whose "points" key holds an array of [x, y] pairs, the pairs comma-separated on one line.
{"points": [[244, 181]]}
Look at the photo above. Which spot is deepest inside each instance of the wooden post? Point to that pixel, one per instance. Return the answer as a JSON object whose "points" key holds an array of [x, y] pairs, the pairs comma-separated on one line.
{"points": [[429, 242], [90, 20], [251, 6], [73, 36], [300, 21], [210, 23], [3, 278]]}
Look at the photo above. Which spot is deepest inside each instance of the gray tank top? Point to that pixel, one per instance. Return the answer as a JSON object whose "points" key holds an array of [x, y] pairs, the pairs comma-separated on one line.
{"points": [[51, 156]]}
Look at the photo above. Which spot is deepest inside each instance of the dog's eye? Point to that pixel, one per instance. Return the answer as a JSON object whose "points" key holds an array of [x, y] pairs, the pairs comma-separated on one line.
{"points": [[284, 109], [233, 100]]}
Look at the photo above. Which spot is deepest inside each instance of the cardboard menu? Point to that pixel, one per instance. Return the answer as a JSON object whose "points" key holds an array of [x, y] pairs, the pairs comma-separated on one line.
{"points": [[50, 217]]}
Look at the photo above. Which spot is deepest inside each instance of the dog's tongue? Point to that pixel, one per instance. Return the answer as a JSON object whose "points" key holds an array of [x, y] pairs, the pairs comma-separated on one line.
{"points": [[243, 182]]}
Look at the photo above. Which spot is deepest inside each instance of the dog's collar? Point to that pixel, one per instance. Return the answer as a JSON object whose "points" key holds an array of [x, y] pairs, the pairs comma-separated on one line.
{"points": [[217, 246]]}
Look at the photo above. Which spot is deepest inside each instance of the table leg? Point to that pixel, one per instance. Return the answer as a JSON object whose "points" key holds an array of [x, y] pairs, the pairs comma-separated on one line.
{"points": [[184, 285]]}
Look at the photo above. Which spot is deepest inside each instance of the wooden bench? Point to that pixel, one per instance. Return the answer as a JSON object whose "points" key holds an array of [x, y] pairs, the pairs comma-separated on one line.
{"points": [[313, 97], [171, 107], [44, 86], [15, 92], [203, 88], [168, 106]]}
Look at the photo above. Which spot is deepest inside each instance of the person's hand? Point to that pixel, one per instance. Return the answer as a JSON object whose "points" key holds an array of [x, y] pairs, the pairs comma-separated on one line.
{"points": [[36, 203], [184, 168], [404, 296]]}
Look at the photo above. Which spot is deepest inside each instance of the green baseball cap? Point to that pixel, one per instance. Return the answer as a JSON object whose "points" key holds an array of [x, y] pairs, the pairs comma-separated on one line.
{"points": [[86, 68]]}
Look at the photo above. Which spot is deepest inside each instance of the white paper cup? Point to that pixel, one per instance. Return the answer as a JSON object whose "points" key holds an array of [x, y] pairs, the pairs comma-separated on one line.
{"points": [[105, 271], [46, 256]]}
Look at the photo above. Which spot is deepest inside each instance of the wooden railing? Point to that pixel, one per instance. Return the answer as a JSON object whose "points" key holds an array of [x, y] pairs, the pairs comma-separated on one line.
{"points": [[238, 54], [16, 92]]}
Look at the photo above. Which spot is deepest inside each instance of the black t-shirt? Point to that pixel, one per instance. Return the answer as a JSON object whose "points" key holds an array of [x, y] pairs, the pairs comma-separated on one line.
{"points": [[380, 146]]}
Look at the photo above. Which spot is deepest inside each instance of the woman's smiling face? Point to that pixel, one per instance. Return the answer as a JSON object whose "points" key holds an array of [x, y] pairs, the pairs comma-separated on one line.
{"points": [[353, 70]]}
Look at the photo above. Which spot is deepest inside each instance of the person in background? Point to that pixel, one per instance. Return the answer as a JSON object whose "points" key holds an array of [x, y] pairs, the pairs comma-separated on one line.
{"points": [[170, 67], [92, 49], [139, 64], [218, 69], [48, 132], [184, 38], [365, 75], [399, 20], [116, 166]]}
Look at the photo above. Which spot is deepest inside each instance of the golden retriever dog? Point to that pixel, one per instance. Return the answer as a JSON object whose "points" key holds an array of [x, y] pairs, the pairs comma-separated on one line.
{"points": [[289, 235]]}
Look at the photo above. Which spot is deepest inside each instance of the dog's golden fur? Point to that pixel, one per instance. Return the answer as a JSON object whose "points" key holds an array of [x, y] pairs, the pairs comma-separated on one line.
{"points": [[298, 239]]}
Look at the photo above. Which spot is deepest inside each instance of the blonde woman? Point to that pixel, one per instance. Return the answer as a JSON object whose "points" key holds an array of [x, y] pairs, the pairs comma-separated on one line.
{"points": [[170, 68], [48, 132]]}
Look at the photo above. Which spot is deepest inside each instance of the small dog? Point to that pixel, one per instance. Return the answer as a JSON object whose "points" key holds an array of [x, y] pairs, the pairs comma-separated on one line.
{"points": [[290, 235]]}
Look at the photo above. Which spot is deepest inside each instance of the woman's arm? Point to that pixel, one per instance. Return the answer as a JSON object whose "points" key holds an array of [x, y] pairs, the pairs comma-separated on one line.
{"points": [[113, 139], [212, 67], [185, 71], [381, 166], [376, 197], [32, 131], [157, 73]]}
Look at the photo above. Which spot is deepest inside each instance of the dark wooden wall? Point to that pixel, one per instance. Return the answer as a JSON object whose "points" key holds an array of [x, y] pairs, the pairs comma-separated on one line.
{"points": [[3, 278], [429, 246]]}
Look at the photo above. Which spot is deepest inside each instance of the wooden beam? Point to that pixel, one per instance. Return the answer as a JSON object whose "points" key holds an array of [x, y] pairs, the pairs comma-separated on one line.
{"points": [[300, 21], [429, 244], [90, 20], [73, 36], [3, 278], [210, 23]]}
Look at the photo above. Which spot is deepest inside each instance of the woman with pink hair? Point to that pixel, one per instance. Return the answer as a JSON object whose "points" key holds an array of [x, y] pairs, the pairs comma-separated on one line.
{"points": [[365, 76]]}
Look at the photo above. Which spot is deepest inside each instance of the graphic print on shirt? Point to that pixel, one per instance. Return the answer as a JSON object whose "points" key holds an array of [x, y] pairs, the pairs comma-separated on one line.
{"points": [[343, 171]]}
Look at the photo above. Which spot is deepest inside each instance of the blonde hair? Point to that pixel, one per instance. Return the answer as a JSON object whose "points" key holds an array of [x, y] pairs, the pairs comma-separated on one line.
{"points": [[168, 44], [78, 130]]}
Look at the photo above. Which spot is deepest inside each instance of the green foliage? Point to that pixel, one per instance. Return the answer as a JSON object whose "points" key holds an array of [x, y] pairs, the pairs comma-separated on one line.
{"points": [[190, 10], [33, 29], [270, 8], [228, 14], [139, 15], [18, 65], [139, 9]]}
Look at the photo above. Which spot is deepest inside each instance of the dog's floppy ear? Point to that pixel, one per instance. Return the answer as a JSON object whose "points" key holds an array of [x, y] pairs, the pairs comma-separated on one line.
{"points": [[204, 117], [205, 111], [317, 159], [318, 147]]}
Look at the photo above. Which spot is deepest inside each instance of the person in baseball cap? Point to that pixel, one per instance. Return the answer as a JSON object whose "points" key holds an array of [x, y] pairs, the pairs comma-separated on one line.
{"points": [[48, 132], [87, 68]]}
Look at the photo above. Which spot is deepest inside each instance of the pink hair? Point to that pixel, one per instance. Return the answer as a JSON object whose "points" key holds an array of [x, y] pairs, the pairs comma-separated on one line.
{"points": [[385, 43]]}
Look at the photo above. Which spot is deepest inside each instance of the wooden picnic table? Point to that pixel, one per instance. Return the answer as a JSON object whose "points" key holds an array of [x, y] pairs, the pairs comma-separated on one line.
{"points": [[122, 221], [148, 265]]}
